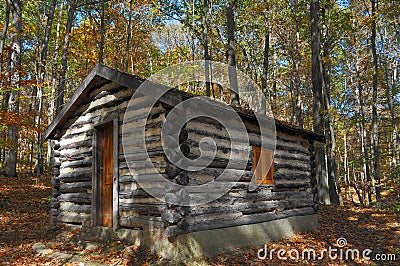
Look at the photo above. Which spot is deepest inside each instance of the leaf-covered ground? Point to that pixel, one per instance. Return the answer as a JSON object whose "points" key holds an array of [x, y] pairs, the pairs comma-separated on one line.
{"points": [[24, 221]]}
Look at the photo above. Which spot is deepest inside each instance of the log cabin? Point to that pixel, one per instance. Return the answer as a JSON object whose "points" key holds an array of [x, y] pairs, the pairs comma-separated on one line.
{"points": [[95, 187]]}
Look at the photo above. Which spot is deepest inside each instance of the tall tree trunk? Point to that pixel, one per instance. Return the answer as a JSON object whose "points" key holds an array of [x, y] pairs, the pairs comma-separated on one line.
{"points": [[5, 98], [129, 36], [61, 87], [316, 75], [10, 164], [365, 173], [102, 33], [375, 124], [264, 77], [5, 26], [390, 96], [206, 50], [233, 82], [317, 79], [42, 74], [298, 107], [334, 188], [346, 167]]}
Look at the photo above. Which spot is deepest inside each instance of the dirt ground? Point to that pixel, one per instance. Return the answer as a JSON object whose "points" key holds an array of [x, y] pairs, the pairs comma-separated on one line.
{"points": [[24, 222]]}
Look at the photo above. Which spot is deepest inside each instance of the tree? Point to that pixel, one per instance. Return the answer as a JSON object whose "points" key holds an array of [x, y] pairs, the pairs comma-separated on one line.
{"points": [[40, 83], [328, 123], [10, 165], [375, 129], [318, 110], [5, 26], [102, 33], [65, 49], [231, 54], [207, 56], [264, 77]]}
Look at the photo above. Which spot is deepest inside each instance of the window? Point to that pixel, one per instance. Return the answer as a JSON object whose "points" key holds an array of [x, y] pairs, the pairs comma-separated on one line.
{"points": [[263, 166]]}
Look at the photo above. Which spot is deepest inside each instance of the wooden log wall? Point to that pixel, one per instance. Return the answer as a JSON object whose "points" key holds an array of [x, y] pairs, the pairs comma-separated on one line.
{"points": [[55, 181], [138, 209], [74, 158], [292, 193]]}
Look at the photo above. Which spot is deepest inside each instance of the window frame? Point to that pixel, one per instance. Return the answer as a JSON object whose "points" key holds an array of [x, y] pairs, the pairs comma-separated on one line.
{"points": [[263, 156]]}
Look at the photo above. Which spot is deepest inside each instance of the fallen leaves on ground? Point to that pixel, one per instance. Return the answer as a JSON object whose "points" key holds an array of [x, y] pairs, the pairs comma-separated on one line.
{"points": [[24, 221]]}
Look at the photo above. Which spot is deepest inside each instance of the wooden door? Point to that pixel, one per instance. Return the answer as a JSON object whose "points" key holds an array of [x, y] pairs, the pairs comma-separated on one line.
{"points": [[106, 171]]}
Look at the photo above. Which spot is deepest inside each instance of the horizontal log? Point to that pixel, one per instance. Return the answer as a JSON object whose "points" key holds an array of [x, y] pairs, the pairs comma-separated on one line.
{"points": [[267, 206], [245, 219], [235, 138], [74, 144], [141, 222], [75, 197], [55, 153], [73, 218], [135, 194], [171, 128], [139, 101], [76, 156], [79, 128], [75, 135], [111, 88], [142, 171], [130, 155], [106, 104], [261, 195], [127, 186], [284, 136], [139, 200], [299, 185], [76, 176], [292, 149], [286, 155], [137, 145], [151, 208], [131, 134], [86, 162], [128, 178], [138, 113], [213, 126], [154, 119], [280, 163], [75, 187], [73, 151], [75, 208], [208, 174], [235, 164], [139, 165]]}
